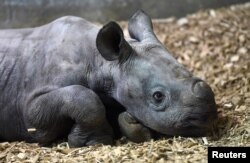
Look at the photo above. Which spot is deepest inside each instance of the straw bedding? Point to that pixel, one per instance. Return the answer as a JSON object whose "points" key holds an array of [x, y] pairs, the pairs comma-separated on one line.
{"points": [[215, 46]]}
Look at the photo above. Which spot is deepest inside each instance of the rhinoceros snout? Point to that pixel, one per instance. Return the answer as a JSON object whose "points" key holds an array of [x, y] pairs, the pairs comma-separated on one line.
{"points": [[199, 107], [196, 92], [202, 90]]}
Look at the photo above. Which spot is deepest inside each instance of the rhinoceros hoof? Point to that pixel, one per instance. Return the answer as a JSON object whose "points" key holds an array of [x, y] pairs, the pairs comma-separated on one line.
{"points": [[132, 129], [78, 137]]}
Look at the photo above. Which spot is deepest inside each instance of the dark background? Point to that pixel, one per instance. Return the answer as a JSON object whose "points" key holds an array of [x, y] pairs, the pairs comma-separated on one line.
{"points": [[25, 13]]}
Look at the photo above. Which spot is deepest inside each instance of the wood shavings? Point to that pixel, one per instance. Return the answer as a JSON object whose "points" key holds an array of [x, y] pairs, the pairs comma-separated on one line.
{"points": [[215, 46]]}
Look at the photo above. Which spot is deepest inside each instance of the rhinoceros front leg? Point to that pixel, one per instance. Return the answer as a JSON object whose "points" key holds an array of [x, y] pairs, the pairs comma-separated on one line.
{"points": [[132, 129], [73, 110]]}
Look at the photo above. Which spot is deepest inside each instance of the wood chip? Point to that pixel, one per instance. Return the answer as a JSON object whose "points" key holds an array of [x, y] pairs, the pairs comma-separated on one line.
{"points": [[228, 105], [182, 21], [235, 58], [31, 129], [21, 156], [205, 140]]}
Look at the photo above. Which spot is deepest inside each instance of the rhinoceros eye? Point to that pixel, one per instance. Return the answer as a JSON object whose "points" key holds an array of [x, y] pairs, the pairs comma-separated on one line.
{"points": [[158, 96]]}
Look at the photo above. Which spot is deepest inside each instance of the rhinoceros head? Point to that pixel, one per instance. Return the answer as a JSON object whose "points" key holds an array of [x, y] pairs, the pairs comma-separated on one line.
{"points": [[153, 87]]}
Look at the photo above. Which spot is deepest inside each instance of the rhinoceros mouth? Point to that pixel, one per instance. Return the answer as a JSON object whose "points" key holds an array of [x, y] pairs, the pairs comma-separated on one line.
{"points": [[193, 131], [194, 125], [204, 120], [187, 131]]}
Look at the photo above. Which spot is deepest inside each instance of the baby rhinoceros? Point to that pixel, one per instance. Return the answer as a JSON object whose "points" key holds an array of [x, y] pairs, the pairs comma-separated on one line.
{"points": [[62, 78]]}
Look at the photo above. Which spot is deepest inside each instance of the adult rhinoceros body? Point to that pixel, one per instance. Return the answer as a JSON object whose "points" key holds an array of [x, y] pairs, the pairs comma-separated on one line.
{"points": [[52, 78]]}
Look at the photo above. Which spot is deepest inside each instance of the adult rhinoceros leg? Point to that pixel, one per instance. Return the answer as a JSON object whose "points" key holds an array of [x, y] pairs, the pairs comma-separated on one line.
{"points": [[74, 110]]}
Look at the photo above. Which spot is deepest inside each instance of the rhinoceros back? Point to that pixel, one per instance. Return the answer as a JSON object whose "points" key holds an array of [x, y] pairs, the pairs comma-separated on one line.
{"points": [[11, 84]]}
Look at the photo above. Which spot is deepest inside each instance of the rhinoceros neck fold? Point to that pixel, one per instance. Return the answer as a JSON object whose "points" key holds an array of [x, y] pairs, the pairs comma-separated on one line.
{"points": [[101, 80], [102, 75]]}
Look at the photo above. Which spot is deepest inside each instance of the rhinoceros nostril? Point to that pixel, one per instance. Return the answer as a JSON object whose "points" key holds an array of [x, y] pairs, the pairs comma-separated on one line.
{"points": [[201, 90]]}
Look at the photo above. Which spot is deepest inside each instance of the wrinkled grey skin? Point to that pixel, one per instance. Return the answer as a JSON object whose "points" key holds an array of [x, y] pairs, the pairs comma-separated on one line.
{"points": [[64, 77]]}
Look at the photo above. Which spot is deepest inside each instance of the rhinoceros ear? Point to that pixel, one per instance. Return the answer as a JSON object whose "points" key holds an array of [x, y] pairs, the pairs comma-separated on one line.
{"points": [[111, 44], [140, 27]]}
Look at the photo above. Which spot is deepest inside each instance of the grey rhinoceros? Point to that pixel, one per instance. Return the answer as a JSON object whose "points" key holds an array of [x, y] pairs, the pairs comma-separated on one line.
{"points": [[71, 79]]}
